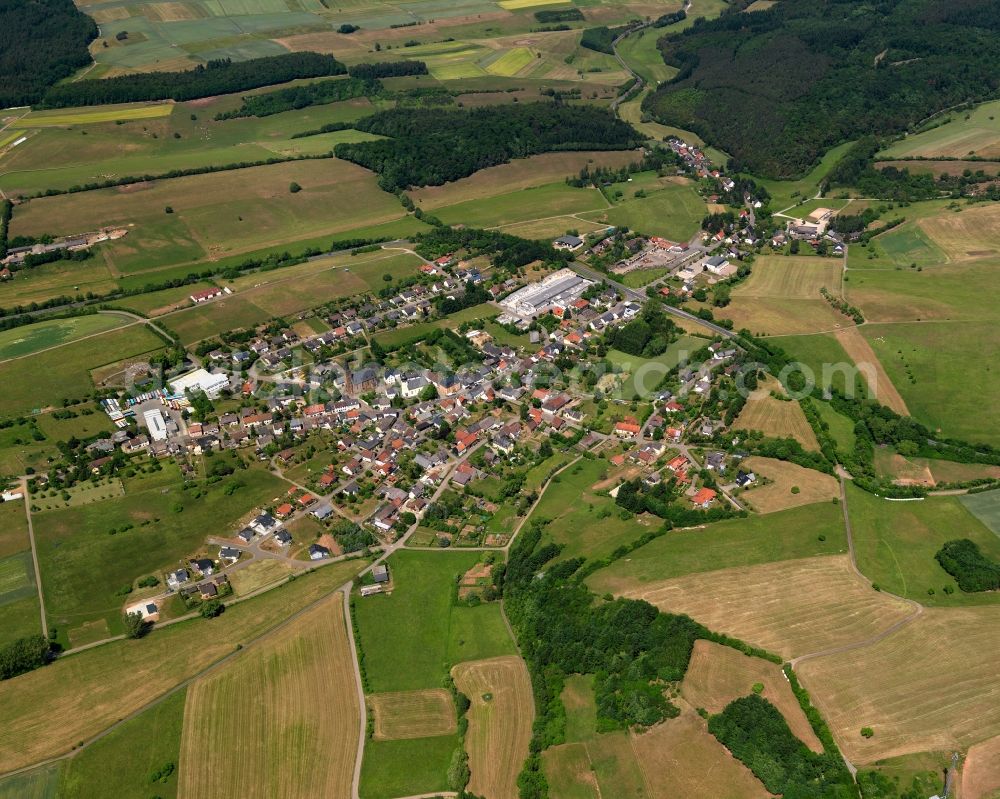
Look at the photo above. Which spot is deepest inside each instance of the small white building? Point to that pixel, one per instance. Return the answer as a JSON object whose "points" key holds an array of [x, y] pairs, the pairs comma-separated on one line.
{"points": [[155, 424]]}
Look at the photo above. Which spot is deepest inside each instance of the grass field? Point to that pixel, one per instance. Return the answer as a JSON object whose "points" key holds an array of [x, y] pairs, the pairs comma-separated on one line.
{"points": [[569, 773], [83, 567], [539, 202], [121, 763], [966, 133], [674, 211], [65, 372], [792, 607], [896, 543], [780, 536], [412, 333], [893, 687], [774, 316], [985, 507], [298, 734], [13, 529], [814, 487], [408, 767], [419, 623], [777, 418], [499, 723], [717, 675], [412, 714], [791, 277], [641, 53], [127, 112], [785, 193], [90, 691], [645, 374], [27, 340], [40, 783]]}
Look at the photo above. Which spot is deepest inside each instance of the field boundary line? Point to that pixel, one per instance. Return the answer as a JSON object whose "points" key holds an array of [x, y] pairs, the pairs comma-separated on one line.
{"points": [[34, 556], [359, 687]]}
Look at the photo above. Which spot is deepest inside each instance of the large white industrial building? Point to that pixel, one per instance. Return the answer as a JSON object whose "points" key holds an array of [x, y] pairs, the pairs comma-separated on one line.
{"points": [[200, 380], [558, 289]]}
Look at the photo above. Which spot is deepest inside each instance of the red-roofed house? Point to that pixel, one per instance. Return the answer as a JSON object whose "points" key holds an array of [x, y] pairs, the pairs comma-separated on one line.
{"points": [[627, 429], [284, 510], [703, 498]]}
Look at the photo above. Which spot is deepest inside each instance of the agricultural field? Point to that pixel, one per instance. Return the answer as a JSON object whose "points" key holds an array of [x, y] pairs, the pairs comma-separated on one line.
{"points": [[776, 418], [500, 721], [822, 359], [780, 494], [792, 607], [674, 212], [965, 133], [412, 714], [540, 202], [407, 767], [791, 277], [84, 568], [641, 53], [985, 507], [29, 339], [717, 675], [734, 543], [64, 372], [980, 777], [896, 542], [874, 687], [90, 691], [298, 737]]}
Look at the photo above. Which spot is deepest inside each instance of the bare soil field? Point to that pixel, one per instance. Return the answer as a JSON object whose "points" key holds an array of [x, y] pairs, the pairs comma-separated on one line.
{"points": [[719, 674], [680, 757], [775, 417], [932, 685], [813, 486], [981, 772], [499, 722], [864, 357], [280, 721], [791, 607], [523, 173], [412, 714]]}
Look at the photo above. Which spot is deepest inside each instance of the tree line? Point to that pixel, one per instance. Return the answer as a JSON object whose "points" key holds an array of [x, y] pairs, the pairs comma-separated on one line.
{"points": [[296, 97], [429, 147], [41, 42], [222, 76], [830, 75]]}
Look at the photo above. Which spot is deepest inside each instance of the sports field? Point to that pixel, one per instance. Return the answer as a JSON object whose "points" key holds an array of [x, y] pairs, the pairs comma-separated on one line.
{"points": [[792, 607], [92, 690], [781, 536], [499, 722], [717, 675], [776, 418], [412, 714], [896, 687], [896, 542], [975, 132], [813, 486], [21, 341], [281, 720]]}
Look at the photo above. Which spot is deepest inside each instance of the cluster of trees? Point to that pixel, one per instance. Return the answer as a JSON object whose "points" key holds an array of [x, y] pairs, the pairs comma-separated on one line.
{"points": [[429, 147], [602, 39], [474, 294], [41, 42], [648, 335], [23, 655], [387, 69], [560, 15], [659, 500], [758, 736], [830, 75], [843, 306], [295, 97], [222, 76], [972, 570], [503, 249], [6, 211], [351, 537], [670, 19], [655, 159]]}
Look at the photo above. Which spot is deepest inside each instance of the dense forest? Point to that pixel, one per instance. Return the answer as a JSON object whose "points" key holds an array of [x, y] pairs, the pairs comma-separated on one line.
{"points": [[295, 97], [972, 570], [387, 69], [428, 147], [777, 88], [215, 77], [41, 42], [757, 734]]}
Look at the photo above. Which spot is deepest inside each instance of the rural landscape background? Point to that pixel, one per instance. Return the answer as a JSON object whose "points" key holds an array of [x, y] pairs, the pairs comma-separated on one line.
{"points": [[499, 398]]}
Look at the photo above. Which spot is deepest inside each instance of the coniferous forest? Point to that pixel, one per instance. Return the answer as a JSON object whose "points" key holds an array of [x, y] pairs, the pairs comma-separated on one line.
{"points": [[776, 88]]}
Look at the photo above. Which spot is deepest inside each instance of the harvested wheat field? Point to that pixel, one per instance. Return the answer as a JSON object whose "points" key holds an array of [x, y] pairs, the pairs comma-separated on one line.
{"points": [[791, 608], [719, 674], [969, 235], [864, 357], [813, 486], [932, 685], [775, 417], [981, 772], [792, 277], [500, 721], [412, 714], [281, 720], [680, 757], [569, 773]]}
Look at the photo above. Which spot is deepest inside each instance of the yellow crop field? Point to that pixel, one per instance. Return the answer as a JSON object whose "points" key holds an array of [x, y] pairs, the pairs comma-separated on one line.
{"points": [[93, 116], [776, 417], [281, 720], [511, 62], [792, 607], [680, 757], [413, 714], [500, 721], [931, 686], [517, 5], [812, 486], [719, 674]]}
